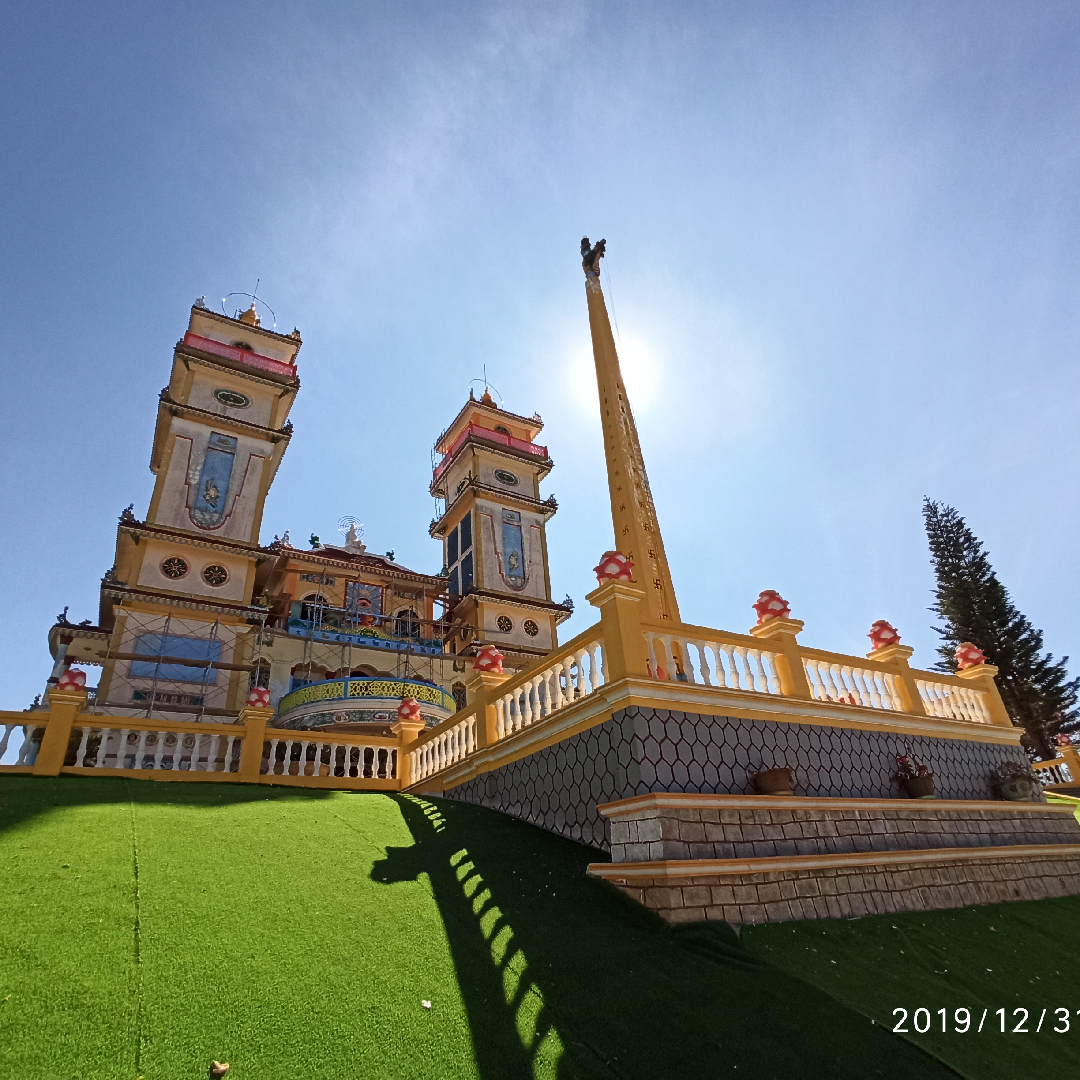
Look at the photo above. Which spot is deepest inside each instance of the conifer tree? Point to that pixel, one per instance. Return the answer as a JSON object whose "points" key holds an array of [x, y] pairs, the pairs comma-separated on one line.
{"points": [[975, 606]]}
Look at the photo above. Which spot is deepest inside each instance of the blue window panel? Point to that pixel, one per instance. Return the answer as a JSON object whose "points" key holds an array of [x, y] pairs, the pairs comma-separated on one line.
{"points": [[466, 573], [172, 645], [465, 529], [451, 548], [454, 589]]}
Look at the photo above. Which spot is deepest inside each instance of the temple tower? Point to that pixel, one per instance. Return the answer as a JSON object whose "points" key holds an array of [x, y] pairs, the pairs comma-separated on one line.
{"points": [[493, 533], [181, 590], [633, 513]]}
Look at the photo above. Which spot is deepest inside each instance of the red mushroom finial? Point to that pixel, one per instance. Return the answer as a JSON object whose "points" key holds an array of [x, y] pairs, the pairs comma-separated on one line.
{"points": [[613, 566], [771, 605], [489, 659], [259, 697], [882, 635], [969, 655], [409, 709], [73, 679]]}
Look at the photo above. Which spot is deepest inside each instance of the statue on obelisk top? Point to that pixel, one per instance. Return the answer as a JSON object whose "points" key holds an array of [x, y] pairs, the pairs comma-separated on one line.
{"points": [[591, 256], [633, 513]]}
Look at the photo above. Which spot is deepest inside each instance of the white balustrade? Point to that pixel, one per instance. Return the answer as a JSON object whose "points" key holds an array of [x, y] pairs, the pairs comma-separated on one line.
{"points": [[338, 759], [155, 750], [27, 749], [847, 684], [569, 679], [732, 667], [1055, 771], [953, 702], [446, 748]]}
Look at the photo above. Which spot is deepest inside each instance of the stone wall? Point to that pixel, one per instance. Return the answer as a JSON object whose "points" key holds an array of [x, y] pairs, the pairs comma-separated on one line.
{"points": [[644, 750], [932, 880], [718, 832]]}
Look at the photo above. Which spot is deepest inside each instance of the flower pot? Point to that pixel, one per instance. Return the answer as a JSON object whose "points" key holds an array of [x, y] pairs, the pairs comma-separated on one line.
{"points": [[324, 770], [775, 782], [919, 787], [1020, 790]]}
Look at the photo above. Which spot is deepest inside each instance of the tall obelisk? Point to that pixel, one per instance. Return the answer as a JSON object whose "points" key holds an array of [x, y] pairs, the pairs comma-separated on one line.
{"points": [[633, 514]]}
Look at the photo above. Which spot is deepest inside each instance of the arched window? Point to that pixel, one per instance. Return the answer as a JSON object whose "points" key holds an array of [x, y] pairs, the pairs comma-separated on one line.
{"points": [[260, 674], [459, 695], [407, 624], [312, 607]]}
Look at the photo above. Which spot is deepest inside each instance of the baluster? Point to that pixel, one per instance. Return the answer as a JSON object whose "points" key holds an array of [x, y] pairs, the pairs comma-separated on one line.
{"points": [[80, 754], [212, 755], [739, 675], [597, 675], [758, 679], [159, 743], [229, 753], [773, 678], [866, 683], [718, 663], [140, 750], [271, 758], [24, 750], [650, 640], [121, 750], [8, 729], [103, 748], [702, 663]]}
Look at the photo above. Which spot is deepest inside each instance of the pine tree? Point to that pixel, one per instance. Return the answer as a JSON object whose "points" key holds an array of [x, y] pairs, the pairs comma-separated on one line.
{"points": [[976, 607]]}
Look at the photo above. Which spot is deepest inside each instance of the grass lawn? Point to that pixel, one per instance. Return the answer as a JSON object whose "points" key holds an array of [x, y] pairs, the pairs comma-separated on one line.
{"points": [[151, 927]]}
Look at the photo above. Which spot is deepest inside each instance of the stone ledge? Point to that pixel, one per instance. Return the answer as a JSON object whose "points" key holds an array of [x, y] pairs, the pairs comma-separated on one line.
{"points": [[677, 800], [773, 890], [696, 868]]}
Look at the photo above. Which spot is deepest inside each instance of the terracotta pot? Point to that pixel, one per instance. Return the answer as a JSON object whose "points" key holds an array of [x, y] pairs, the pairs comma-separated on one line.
{"points": [[920, 787], [775, 781], [324, 770], [1020, 790]]}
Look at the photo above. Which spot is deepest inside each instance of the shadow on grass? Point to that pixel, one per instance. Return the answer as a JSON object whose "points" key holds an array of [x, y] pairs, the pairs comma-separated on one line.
{"points": [[563, 976], [24, 797]]}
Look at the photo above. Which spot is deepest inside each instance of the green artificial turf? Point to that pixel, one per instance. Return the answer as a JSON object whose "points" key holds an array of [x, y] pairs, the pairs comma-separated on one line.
{"points": [[151, 927]]}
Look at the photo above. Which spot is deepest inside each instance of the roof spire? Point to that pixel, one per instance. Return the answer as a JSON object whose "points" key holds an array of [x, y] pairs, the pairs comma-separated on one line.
{"points": [[633, 514]]}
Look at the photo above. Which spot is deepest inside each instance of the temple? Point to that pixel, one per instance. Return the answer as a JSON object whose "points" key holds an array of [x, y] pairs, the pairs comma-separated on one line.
{"points": [[726, 775]]}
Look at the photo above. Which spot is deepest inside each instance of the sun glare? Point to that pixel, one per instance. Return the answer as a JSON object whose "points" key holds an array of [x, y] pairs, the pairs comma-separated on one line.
{"points": [[640, 370]]}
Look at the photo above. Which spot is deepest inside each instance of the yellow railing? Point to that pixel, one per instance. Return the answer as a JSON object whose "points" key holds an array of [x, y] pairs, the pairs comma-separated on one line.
{"points": [[67, 739], [503, 705], [1064, 770], [649, 659]]}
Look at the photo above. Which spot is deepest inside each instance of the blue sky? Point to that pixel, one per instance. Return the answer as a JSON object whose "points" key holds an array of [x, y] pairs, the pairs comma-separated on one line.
{"points": [[842, 263]]}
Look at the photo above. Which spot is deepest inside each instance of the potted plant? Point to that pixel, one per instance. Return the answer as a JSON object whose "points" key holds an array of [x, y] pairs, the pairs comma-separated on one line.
{"points": [[1016, 781], [778, 781], [915, 776]]}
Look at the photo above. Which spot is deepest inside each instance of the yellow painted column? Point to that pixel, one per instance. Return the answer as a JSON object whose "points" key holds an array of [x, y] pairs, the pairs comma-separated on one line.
{"points": [[407, 731], [63, 708], [481, 687], [633, 513], [254, 720], [982, 678], [784, 633], [894, 658], [625, 652]]}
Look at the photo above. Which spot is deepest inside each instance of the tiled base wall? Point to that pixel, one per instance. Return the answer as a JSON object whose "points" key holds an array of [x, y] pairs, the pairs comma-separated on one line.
{"points": [[712, 833], [847, 892], [643, 750]]}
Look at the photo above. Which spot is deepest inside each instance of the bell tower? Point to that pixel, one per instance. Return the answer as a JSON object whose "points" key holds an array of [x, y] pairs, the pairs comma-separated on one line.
{"points": [[493, 531]]}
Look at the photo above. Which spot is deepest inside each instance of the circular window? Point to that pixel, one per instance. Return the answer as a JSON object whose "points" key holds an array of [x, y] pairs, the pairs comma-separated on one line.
{"points": [[504, 624], [505, 477], [215, 575], [174, 567], [531, 628], [232, 398]]}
